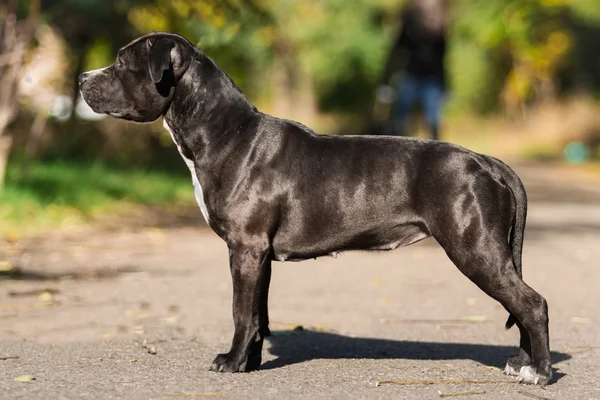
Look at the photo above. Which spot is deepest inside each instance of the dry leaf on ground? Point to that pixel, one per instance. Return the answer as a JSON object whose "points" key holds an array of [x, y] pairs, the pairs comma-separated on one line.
{"points": [[24, 378], [459, 394]]}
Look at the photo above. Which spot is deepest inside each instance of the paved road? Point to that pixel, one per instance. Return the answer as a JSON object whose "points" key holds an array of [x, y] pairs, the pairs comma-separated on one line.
{"points": [[408, 315]]}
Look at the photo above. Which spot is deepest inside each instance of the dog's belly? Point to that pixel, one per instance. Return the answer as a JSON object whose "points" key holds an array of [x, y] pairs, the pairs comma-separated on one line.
{"points": [[299, 246]]}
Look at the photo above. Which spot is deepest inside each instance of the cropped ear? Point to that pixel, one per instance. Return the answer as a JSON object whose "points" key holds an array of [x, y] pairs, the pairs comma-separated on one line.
{"points": [[166, 55]]}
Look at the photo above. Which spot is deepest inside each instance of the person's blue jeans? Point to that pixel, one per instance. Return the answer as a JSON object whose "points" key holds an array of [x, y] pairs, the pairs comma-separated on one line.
{"points": [[429, 93]]}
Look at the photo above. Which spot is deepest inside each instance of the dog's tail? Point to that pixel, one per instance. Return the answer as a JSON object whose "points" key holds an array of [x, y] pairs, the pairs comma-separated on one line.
{"points": [[517, 232]]}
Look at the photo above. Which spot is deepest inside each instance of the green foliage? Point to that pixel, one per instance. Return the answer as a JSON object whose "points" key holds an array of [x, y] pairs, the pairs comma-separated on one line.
{"points": [[520, 48], [502, 51], [342, 48], [99, 55], [324, 38], [508, 51], [56, 193], [587, 10], [503, 54]]}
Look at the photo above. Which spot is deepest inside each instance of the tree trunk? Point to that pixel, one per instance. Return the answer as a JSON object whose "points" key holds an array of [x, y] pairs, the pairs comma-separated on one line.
{"points": [[15, 37], [6, 116], [306, 104], [5, 146], [33, 141], [283, 81]]}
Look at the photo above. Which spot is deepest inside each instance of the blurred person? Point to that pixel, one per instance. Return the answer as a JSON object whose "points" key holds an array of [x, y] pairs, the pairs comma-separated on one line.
{"points": [[421, 49]]}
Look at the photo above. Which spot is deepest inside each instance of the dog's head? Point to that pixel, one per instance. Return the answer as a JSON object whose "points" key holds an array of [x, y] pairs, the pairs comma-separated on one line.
{"points": [[139, 85]]}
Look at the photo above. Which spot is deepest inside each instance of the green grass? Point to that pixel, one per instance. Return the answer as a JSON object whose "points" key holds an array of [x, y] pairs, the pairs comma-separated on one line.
{"points": [[56, 194]]}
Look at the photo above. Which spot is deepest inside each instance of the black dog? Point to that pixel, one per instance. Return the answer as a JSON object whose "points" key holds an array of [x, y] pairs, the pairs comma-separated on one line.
{"points": [[272, 189]]}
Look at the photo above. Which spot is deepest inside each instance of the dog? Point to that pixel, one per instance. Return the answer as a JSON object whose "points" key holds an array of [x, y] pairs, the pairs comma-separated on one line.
{"points": [[274, 190]]}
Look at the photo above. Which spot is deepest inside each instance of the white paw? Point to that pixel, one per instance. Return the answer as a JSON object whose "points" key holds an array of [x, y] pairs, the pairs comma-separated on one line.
{"points": [[508, 370], [530, 376]]}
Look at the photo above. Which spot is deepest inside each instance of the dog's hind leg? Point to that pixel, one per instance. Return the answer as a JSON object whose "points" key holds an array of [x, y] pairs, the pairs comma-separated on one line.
{"points": [[487, 262], [515, 363], [250, 268], [477, 214]]}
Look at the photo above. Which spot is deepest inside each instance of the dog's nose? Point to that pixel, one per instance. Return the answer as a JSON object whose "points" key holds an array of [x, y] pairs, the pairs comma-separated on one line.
{"points": [[82, 78]]}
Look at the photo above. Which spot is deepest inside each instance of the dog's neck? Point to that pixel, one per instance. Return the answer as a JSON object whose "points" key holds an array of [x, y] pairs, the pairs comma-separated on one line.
{"points": [[209, 107]]}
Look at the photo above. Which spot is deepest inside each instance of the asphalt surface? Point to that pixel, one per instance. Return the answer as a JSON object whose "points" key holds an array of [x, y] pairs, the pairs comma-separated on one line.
{"points": [[90, 306]]}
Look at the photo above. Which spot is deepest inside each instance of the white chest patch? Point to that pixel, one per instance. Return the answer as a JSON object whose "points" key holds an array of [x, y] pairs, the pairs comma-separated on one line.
{"points": [[190, 164]]}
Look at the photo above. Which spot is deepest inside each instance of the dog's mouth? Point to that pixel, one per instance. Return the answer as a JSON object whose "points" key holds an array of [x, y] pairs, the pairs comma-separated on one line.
{"points": [[128, 116], [117, 114]]}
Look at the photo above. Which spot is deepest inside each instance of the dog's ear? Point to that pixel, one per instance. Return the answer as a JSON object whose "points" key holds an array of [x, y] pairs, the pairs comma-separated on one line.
{"points": [[166, 55]]}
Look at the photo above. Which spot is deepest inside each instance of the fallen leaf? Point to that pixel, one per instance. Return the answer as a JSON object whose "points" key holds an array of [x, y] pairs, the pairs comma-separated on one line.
{"points": [[286, 326], [441, 381], [581, 320], [441, 327], [36, 292], [458, 394], [133, 360], [474, 318], [174, 320], [45, 297], [24, 378], [5, 266]]}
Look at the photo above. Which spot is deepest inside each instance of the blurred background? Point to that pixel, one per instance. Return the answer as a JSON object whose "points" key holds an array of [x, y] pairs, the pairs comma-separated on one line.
{"points": [[523, 84], [107, 284]]}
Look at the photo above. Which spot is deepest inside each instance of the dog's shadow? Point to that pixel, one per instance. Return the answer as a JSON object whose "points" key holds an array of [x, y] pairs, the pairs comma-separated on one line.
{"points": [[292, 347]]}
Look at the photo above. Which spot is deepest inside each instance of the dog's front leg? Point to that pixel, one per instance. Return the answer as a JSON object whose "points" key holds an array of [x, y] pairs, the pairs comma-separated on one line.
{"points": [[249, 269]]}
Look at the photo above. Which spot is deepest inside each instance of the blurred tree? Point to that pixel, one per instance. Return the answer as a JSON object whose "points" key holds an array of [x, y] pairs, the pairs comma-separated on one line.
{"points": [[88, 23], [16, 34], [43, 80], [516, 47], [297, 58], [300, 54]]}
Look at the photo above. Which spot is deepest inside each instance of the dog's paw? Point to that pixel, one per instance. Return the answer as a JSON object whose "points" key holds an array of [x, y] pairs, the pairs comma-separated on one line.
{"points": [[513, 366], [530, 375], [510, 371], [226, 363]]}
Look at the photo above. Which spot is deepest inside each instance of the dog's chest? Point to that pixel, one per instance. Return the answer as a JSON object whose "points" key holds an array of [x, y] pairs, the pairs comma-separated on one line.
{"points": [[190, 164]]}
